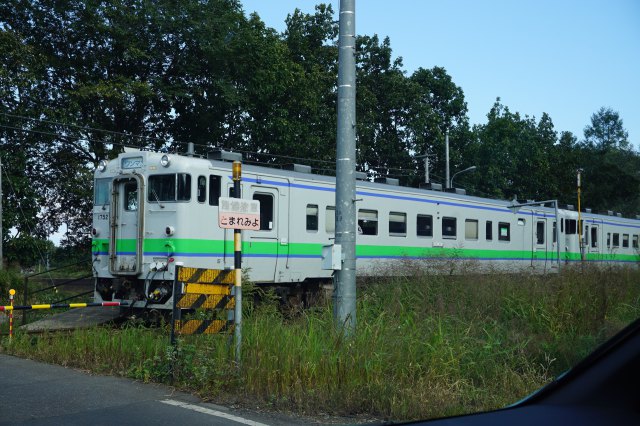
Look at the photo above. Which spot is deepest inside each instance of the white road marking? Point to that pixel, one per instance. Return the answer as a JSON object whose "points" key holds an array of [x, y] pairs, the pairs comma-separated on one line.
{"points": [[212, 412]]}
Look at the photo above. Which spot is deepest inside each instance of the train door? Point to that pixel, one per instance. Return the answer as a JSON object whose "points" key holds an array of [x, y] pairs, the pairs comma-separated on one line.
{"points": [[262, 248], [126, 226], [540, 241], [594, 238], [569, 225]]}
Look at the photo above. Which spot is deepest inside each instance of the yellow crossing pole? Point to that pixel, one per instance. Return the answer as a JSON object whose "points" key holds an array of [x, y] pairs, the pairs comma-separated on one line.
{"points": [[237, 247], [12, 293]]}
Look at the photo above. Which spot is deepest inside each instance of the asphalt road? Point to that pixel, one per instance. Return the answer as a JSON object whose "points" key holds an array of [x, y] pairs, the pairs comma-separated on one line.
{"points": [[34, 393]]}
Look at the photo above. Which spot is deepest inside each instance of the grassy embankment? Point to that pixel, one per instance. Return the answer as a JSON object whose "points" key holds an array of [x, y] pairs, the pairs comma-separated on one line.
{"points": [[426, 345]]}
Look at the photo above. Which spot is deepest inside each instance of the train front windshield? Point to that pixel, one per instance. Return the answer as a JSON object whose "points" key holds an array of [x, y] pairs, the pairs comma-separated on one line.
{"points": [[102, 191]]}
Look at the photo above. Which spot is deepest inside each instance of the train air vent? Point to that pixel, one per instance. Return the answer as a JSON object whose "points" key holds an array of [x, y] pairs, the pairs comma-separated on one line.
{"points": [[458, 191], [361, 176], [619, 214], [388, 181], [300, 168], [222, 155], [609, 213], [587, 210], [432, 186], [638, 216], [570, 207]]}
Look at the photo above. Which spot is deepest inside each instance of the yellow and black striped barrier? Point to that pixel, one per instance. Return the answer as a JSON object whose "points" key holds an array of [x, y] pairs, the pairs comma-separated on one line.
{"points": [[197, 288], [59, 305]]}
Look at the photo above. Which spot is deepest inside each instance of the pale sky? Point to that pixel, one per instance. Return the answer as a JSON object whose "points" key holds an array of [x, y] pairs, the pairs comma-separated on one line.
{"points": [[565, 58]]}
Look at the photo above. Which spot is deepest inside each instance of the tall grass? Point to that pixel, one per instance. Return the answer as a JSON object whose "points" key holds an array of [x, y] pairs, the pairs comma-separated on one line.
{"points": [[426, 345]]}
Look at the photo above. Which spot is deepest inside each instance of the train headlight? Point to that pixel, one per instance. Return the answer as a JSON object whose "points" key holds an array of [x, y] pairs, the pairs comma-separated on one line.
{"points": [[169, 231], [95, 232], [102, 165], [165, 160]]}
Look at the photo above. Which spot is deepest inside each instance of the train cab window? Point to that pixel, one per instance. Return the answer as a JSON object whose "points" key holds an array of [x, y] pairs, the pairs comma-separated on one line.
{"points": [[214, 190], [184, 187], [571, 226], [312, 217], [266, 210], [488, 231], [398, 224], [102, 190], [625, 240], [424, 225], [449, 227], [367, 222], [540, 232], [470, 229], [131, 196], [504, 231], [594, 237], [202, 189], [635, 241], [171, 187], [330, 220], [616, 240]]}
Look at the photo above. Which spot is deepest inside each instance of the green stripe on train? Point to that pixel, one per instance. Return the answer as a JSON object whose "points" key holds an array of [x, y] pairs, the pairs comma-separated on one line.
{"points": [[311, 249]]}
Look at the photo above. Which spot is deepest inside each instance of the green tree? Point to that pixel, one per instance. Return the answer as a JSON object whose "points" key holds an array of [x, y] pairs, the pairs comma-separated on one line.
{"points": [[606, 131], [514, 155]]}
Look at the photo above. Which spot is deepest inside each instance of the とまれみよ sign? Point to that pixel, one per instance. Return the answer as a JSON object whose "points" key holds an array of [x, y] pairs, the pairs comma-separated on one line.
{"points": [[236, 213]]}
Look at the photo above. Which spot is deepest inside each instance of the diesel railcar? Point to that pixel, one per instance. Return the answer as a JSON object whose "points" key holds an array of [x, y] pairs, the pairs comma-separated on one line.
{"points": [[152, 211]]}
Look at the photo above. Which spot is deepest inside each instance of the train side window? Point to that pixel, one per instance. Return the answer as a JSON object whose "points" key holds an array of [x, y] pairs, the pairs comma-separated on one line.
{"points": [[397, 224], [625, 240], [504, 231], [616, 240], [424, 225], [449, 227], [594, 237], [367, 222], [202, 189], [102, 192], [635, 241], [184, 187], [470, 229], [540, 232], [266, 210], [608, 239], [561, 225], [214, 189], [312, 217], [330, 220], [488, 231], [555, 237]]}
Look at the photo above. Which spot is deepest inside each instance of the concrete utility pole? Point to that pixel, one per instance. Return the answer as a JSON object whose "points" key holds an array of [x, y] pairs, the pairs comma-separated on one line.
{"points": [[345, 278]]}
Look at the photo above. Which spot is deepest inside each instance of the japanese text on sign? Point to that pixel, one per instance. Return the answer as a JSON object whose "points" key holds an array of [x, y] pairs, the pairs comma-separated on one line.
{"points": [[236, 213]]}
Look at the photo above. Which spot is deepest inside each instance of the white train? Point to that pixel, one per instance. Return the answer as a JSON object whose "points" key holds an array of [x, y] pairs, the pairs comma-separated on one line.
{"points": [[153, 210]]}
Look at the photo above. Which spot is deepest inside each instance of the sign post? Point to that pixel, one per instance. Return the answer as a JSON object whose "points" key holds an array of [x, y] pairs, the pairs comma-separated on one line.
{"points": [[237, 214]]}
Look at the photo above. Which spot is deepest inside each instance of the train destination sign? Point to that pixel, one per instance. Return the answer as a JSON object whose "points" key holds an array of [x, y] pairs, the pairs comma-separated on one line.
{"points": [[237, 213]]}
